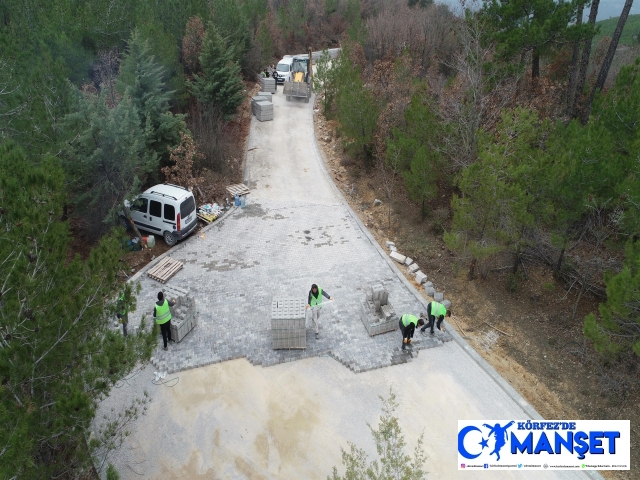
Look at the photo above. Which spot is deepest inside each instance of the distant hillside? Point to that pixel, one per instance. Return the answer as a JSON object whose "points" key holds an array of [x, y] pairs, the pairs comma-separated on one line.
{"points": [[631, 29]]}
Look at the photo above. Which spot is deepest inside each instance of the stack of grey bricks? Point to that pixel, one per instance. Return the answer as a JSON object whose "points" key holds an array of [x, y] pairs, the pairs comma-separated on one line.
{"points": [[260, 97], [268, 84], [288, 323], [377, 314], [264, 111], [183, 313]]}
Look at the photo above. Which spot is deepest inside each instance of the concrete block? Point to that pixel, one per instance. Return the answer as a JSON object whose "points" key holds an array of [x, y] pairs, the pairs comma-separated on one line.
{"points": [[429, 291], [408, 261], [393, 248], [413, 268], [439, 296], [390, 244], [420, 277], [447, 304], [398, 257], [428, 284]]}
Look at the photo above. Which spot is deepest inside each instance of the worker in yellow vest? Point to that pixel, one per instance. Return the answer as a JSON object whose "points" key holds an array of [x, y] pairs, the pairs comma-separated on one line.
{"points": [[315, 303], [435, 314], [408, 324], [162, 314]]}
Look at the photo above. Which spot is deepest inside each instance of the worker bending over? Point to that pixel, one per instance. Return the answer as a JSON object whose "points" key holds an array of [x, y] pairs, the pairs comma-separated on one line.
{"points": [[408, 324], [162, 314], [435, 311]]}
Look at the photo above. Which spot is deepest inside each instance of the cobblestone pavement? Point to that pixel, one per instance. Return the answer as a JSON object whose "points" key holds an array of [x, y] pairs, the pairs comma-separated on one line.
{"points": [[272, 250], [296, 230]]}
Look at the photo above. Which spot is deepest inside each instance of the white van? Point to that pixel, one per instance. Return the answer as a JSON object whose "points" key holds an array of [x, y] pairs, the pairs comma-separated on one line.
{"points": [[167, 210], [284, 69]]}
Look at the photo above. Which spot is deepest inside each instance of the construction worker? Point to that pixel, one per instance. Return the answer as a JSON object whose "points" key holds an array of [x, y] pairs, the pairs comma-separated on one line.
{"points": [[435, 311], [162, 314], [315, 302], [123, 313], [408, 324]]}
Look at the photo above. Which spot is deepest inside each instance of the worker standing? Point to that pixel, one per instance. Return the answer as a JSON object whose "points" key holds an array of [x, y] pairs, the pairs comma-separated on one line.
{"points": [[162, 314], [408, 324], [123, 313], [315, 303], [435, 314]]}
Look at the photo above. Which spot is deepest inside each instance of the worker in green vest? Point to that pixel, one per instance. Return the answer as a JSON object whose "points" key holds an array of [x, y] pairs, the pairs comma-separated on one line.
{"points": [[435, 314], [408, 324], [162, 314], [122, 313], [315, 303]]}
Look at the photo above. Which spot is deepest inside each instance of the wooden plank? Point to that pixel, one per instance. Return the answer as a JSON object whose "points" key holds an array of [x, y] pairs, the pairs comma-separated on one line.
{"points": [[239, 188], [159, 265]]}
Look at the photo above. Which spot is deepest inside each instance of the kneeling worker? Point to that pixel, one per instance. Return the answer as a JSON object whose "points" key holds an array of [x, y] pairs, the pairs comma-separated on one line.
{"points": [[435, 310], [162, 314], [408, 324]]}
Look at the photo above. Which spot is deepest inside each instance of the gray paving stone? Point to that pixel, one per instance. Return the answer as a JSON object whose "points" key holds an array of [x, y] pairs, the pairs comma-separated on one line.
{"points": [[420, 277], [398, 257], [234, 283], [408, 261], [438, 296], [413, 268]]}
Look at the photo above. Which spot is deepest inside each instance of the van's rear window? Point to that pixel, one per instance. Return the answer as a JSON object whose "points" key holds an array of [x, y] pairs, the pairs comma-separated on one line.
{"points": [[187, 207]]}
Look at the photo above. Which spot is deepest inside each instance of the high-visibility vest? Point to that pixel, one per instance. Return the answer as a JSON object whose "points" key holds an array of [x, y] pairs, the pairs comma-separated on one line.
{"points": [[407, 319], [316, 301], [163, 313], [438, 310]]}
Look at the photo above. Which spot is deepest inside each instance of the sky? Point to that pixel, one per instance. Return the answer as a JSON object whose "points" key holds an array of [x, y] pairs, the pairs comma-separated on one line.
{"points": [[607, 8]]}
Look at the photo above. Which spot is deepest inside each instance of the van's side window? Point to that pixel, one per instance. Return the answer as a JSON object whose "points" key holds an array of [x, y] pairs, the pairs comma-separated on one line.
{"points": [[169, 212], [155, 209], [140, 205]]}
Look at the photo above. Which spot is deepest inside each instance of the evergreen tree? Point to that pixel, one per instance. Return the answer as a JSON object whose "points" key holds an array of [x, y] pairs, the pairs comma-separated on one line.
{"points": [[265, 42], [107, 159], [536, 26], [220, 84], [233, 26], [142, 80], [58, 355], [618, 329]]}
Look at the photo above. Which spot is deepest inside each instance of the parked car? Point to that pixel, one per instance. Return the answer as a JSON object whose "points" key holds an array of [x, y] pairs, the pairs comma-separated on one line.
{"points": [[167, 210], [284, 68]]}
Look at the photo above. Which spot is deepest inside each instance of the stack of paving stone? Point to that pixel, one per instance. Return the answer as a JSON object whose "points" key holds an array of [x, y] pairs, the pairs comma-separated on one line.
{"points": [[183, 313], [263, 110], [377, 314], [260, 97], [268, 84], [420, 277], [288, 323]]}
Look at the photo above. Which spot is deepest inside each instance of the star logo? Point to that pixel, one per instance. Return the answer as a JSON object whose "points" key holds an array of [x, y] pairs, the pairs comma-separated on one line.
{"points": [[484, 443]]}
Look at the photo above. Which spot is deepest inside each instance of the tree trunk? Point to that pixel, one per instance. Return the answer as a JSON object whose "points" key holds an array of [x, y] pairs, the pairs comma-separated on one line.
{"points": [[584, 61], [472, 269], [535, 65], [571, 89], [127, 212], [606, 64], [423, 211], [559, 262], [516, 262]]}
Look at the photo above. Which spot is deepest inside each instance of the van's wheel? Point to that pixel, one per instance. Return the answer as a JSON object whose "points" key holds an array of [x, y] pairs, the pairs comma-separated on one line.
{"points": [[170, 239]]}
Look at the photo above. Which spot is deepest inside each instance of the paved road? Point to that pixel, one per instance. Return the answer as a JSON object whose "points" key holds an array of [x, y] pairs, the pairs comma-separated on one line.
{"points": [[232, 419]]}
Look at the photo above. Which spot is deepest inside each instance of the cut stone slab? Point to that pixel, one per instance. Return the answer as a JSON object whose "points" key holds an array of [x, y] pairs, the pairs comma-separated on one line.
{"points": [[398, 257], [408, 261], [413, 268], [439, 296], [390, 244], [447, 304], [429, 291], [420, 277], [393, 248]]}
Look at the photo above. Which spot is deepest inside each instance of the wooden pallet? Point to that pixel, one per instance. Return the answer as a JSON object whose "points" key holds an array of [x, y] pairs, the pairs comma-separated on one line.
{"points": [[206, 217], [165, 269], [240, 189]]}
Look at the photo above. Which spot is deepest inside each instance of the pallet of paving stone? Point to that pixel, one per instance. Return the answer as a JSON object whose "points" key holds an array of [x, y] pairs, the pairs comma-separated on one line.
{"points": [[268, 84], [239, 188], [264, 111], [376, 324], [165, 269], [288, 323], [259, 98]]}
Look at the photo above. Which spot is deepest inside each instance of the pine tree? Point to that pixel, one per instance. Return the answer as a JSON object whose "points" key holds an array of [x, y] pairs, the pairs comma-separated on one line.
{"points": [[618, 329], [106, 159], [142, 79], [58, 355], [220, 85]]}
